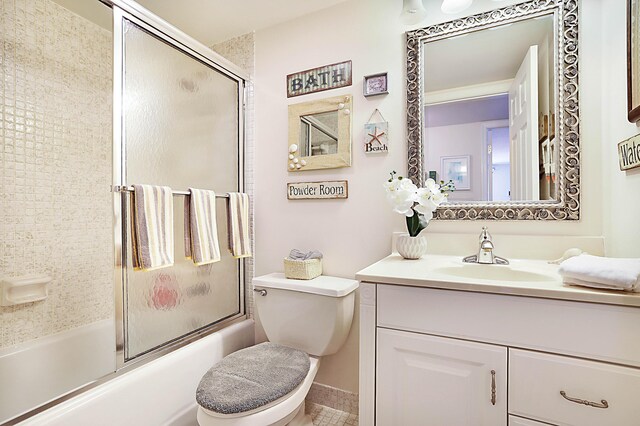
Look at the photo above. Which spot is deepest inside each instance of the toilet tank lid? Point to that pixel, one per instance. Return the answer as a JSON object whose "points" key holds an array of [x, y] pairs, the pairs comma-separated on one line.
{"points": [[323, 285]]}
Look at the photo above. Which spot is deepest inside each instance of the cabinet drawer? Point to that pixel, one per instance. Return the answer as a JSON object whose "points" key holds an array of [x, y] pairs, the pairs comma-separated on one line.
{"points": [[522, 322], [519, 421], [536, 380]]}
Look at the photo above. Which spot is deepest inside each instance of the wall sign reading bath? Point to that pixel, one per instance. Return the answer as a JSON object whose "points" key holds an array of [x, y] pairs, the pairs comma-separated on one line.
{"points": [[319, 79], [318, 190]]}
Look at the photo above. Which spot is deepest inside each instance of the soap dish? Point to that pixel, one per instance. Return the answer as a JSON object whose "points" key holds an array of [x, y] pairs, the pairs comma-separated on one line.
{"points": [[24, 289]]}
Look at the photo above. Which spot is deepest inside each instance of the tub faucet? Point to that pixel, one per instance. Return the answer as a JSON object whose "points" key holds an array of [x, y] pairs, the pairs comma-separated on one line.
{"points": [[485, 254]]}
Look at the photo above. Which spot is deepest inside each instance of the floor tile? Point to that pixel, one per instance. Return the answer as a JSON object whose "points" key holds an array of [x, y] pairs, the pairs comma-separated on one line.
{"points": [[325, 416]]}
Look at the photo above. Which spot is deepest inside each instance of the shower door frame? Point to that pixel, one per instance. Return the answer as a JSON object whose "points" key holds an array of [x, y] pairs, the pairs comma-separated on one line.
{"points": [[156, 27]]}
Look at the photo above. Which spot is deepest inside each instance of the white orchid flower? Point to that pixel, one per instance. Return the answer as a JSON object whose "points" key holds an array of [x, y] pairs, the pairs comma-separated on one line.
{"points": [[439, 198], [401, 194], [413, 202], [424, 197], [405, 209], [431, 185]]}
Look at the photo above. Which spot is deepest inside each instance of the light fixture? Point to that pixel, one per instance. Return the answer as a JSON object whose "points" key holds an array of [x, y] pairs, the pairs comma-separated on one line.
{"points": [[452, 7], [413, 12]]}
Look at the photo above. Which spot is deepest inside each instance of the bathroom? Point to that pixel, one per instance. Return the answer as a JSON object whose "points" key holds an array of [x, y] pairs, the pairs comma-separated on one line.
{"points": [[70, 235]]}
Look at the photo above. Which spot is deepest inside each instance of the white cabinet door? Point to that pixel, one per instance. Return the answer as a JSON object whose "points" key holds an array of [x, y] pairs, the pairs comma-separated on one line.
{"points": [[435, 381]]}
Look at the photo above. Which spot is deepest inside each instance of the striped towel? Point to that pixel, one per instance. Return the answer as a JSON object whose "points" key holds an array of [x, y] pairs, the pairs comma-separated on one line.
{"points": [[200, 230], [152, 227], [238, 226]]}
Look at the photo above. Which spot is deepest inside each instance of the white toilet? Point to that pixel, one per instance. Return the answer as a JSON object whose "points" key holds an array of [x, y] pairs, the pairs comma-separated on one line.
{"points": [[312, 316]]}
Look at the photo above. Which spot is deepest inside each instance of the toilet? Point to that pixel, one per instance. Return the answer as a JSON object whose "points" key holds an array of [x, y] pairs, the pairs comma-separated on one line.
{"points": [[304, 321]]}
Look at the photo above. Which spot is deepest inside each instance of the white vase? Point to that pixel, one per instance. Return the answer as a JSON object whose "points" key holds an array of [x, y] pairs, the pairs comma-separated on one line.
{"points": [[411, 247]]}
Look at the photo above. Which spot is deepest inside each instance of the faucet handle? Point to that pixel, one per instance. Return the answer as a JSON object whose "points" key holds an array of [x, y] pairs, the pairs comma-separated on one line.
{"points": [[484, 235]]}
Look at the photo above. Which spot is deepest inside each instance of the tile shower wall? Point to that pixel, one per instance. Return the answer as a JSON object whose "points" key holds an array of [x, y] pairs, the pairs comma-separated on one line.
{"points": [[241, 51], [56, 208]]}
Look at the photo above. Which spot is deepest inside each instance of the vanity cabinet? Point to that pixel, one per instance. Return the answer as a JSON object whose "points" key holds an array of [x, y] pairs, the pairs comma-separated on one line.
{"points": [[439, 356]]}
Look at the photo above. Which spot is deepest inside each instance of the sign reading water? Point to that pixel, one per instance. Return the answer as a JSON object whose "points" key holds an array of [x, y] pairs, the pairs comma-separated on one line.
{"points": [[629, 153], [318, 190]]}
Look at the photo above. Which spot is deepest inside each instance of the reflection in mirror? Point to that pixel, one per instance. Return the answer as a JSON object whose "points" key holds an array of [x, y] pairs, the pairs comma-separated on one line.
{"points": [[527, 51], [496, 119], [320, 134]]}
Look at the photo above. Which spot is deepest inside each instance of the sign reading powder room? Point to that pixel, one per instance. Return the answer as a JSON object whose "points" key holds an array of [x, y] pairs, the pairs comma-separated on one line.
{"points": [[319, 79], [318, 190], [629, 153]]}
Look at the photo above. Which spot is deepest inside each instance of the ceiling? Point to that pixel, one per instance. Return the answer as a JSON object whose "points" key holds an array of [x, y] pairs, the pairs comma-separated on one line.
{"points": [[467, 111], [209, 21], [213, 21]]}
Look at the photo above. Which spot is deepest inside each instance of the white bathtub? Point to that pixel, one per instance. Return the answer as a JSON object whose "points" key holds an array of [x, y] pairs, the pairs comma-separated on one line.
{"points": [[161, 392], [35, 372]]}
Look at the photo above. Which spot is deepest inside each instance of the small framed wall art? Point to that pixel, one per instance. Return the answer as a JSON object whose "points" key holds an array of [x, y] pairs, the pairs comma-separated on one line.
{"points": [[456, 169], [375, 84], [376, 134]]}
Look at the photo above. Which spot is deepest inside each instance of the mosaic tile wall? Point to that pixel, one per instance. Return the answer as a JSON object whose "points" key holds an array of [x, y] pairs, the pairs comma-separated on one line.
{"points": [[240, 50], [55, 203]]}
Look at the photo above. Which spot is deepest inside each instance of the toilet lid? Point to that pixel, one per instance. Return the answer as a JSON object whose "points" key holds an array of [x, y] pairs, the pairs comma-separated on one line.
{"points": [[251, 378]]}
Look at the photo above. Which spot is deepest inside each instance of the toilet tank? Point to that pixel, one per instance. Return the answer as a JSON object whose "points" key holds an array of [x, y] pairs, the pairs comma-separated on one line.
{"points": [[311, 315]]}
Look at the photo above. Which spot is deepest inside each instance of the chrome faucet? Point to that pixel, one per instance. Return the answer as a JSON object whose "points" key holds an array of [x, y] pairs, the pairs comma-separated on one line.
{"points": [[485, 254]]}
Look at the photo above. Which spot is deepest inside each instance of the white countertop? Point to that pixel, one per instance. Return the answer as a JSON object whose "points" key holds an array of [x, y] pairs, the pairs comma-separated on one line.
{"points": [[428, 272]]}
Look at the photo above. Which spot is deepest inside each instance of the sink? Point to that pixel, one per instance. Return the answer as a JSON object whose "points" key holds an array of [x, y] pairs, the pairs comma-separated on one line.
{"points": [[493, 273]]}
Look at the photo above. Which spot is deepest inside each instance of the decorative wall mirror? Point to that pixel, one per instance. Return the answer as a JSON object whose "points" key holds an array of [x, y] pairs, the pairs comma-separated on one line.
{"points": [[492, 104], [320, 134]]}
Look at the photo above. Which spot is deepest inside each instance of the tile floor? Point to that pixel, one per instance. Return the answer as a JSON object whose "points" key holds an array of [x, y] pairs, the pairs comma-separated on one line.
{"points": [[325, 416]]}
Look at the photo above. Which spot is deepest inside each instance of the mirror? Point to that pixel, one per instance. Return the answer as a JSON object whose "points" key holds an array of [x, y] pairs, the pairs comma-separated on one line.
{"points": [[506, 132], [320, 134]]}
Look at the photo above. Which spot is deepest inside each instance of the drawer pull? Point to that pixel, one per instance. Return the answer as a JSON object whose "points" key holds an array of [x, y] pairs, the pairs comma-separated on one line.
{"points": [[493, 387], [602, 404]]}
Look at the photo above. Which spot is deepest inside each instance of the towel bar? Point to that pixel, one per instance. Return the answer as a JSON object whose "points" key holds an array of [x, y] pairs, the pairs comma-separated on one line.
{"points": [[119, 188]]}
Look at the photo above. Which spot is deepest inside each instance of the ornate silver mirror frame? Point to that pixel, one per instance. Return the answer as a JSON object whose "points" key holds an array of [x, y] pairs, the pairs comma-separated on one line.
{"points": [[567, 206]]}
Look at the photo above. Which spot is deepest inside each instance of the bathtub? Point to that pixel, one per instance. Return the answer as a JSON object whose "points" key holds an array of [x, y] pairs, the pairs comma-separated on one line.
{"points": [[37, 371], [161, 392]]}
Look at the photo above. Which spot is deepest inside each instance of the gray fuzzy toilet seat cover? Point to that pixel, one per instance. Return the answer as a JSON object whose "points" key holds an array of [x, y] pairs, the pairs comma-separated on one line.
{"points": [[252, 377]]}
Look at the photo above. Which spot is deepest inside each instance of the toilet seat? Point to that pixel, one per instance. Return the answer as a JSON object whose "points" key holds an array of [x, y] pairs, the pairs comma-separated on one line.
{"points": [[278, 412]]}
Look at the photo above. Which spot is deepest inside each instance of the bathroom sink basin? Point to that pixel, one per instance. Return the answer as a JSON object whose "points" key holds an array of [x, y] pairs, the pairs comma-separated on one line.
{"points": [[493, 273]]}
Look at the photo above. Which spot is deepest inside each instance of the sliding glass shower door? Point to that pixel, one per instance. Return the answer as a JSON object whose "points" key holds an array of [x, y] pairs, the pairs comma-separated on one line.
{"points": [[181, 127]]}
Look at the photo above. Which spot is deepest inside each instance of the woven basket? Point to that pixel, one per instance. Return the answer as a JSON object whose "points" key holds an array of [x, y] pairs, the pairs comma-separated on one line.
{"points": [[302, 269]]}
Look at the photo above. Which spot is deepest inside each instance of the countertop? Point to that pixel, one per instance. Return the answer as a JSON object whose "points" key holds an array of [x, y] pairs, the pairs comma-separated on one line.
{"points": [[543, 280]]}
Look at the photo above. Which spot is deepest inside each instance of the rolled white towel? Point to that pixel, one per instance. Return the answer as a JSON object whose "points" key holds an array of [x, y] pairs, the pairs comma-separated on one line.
{"points": [[602, 272]]}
